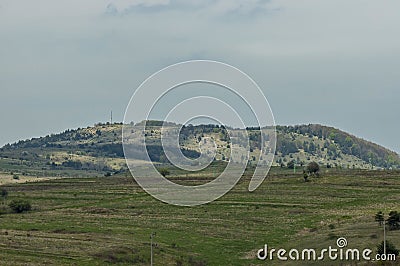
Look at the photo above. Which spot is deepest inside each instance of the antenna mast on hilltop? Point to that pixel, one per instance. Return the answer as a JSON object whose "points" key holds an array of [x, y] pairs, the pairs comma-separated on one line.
{"points": [[111, 117]]}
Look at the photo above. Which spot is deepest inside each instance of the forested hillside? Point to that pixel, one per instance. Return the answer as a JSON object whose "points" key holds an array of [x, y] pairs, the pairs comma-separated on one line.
{"points": [[99, 148]]}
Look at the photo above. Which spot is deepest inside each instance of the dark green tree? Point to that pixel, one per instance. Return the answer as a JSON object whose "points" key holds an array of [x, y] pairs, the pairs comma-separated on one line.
{"points": [[394, 220]]}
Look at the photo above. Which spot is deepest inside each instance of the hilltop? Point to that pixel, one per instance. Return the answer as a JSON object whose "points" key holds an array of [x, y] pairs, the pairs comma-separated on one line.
{"points": [[98, 149]]}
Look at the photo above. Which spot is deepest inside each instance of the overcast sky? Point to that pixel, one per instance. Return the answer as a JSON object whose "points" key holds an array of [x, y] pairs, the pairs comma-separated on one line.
{"points": [[66, 64]]}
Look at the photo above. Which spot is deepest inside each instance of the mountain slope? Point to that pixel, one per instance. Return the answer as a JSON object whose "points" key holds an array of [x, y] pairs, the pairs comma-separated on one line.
{"points": [[98, 149]]}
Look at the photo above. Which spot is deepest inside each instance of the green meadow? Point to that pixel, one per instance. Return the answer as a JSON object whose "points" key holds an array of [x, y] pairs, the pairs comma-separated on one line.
{"points": [[108, 220]]}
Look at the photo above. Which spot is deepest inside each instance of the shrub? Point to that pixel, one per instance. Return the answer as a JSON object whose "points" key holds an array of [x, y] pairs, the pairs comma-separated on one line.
{"points": [[305, 176], [164, 172], [19, 206], [390, 248], [313, 168]]}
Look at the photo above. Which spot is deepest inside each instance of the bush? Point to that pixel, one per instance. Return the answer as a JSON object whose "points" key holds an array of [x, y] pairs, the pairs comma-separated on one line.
{"points": [[19, 206], [394, 220], [390, 248], [305, 176], [16, 177], [164, 172], [313, 168]]}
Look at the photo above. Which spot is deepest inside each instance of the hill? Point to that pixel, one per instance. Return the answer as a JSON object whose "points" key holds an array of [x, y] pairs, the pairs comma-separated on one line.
{"points": [[98, 149]]}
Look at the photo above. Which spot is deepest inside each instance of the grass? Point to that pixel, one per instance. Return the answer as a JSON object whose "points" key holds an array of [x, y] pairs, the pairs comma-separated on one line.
{"points": [[103, 220]]}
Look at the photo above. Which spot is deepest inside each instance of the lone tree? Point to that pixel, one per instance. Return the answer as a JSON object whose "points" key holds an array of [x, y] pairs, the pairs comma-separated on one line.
{"points": [[164, 172], [379, 218], [394, 220], [313, 168]]}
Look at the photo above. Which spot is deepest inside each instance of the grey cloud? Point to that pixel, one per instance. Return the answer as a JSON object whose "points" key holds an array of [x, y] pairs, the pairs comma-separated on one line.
{"points": [[216, 8], [111, 9], [312, 66]]}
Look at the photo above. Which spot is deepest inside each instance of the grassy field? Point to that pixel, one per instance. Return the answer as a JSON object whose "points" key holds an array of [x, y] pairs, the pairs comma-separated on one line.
{"points": [[103, 220]]}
